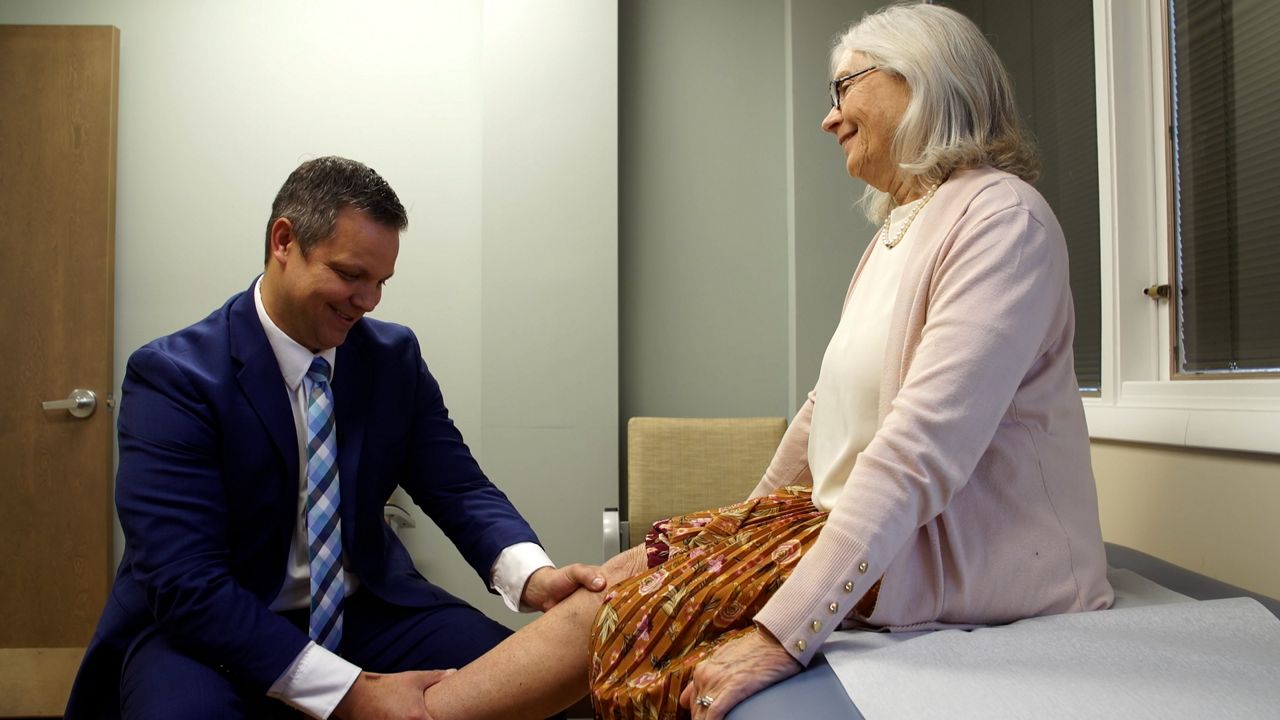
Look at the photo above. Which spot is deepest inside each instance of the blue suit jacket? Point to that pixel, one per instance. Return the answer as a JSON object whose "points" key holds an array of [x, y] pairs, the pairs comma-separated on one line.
{"points": [[207, 491]]}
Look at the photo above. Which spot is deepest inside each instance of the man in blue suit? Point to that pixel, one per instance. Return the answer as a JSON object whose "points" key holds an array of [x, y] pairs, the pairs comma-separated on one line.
{"points": [[258, 572]]}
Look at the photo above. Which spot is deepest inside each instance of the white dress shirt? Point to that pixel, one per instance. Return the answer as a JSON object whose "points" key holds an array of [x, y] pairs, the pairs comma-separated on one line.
{"points": [[317, 679]]}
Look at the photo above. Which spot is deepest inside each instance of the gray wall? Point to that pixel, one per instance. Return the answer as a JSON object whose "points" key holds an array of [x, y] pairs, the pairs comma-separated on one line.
{"points": [[831, 230], [549, 381], [737, 229], [703, 221], [496, 124]]}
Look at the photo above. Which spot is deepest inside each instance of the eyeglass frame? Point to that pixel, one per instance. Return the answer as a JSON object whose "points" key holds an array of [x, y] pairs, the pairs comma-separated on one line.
{"points": [[837, 92]]}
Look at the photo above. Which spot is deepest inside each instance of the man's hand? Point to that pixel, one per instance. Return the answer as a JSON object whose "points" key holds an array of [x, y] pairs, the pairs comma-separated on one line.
{"points": [[397, 696], [548, 586]]}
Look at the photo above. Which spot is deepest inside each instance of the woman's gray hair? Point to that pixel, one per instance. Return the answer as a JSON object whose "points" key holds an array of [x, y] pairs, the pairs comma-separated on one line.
{"points": [[961, 113]]}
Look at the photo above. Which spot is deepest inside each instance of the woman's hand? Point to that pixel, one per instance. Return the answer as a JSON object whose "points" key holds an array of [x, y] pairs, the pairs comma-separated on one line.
{"points": [[737, 670]]}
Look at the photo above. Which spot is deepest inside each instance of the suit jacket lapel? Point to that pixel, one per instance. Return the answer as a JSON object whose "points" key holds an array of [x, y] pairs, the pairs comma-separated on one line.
{"points": [[350, 398], [260, 381]]}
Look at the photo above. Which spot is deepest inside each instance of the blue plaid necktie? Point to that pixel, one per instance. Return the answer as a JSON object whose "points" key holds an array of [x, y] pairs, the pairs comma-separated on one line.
{"points": [[324, 527]]}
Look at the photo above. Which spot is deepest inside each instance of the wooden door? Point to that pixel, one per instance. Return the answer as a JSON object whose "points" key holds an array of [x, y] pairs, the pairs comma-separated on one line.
{"points": [[57, 228]]}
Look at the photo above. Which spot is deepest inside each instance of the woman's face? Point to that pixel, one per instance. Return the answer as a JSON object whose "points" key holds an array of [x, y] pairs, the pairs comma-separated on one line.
{"points": [[871, 107]]}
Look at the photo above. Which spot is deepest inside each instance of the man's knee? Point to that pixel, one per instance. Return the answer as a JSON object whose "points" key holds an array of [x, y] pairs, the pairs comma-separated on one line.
{"points": [[160, 681], [387, 638]]}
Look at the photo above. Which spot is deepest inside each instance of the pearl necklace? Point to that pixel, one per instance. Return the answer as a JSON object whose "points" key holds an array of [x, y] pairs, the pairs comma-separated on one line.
{"points": [[891, 243]]}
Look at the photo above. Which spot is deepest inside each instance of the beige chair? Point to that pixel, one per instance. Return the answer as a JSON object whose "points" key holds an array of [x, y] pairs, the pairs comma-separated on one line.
{"points": [[677, 465]]}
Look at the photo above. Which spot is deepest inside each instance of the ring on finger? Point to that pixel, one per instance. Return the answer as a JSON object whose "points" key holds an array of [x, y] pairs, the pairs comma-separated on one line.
{"points": [[705, 701]]}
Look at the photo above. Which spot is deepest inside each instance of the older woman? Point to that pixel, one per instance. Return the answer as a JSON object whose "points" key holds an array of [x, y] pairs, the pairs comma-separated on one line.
{"points": [[939, 473]]}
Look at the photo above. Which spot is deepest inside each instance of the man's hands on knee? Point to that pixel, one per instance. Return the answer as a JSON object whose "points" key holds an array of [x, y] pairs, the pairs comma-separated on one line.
{"points": [[548, 586], [399, 696]]}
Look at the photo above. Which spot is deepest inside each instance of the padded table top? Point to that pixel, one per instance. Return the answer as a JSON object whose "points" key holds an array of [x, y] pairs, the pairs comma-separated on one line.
{"points": [[817, 693]]}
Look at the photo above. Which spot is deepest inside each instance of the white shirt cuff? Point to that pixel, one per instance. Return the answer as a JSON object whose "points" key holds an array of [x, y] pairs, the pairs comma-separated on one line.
{"points": [[315, 682], [512, 569]]}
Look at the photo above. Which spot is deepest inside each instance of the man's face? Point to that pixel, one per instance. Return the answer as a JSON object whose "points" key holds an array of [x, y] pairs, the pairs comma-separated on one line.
{"points": [[319, 297]]}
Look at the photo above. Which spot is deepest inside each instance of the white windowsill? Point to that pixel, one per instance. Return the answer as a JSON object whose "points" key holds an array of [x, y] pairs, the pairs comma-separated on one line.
{"points": [[1176, 419]]}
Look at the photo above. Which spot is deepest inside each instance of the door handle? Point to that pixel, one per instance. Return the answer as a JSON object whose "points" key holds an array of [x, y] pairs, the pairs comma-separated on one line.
{"points": [[80, 403]]}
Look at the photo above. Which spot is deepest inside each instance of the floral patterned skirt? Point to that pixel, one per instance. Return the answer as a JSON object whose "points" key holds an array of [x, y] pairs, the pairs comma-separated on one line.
{"points": [[709, 574]]}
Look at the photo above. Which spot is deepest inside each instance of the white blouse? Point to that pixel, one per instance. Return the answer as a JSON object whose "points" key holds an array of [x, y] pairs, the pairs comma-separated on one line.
{"points": [[846, 411]]}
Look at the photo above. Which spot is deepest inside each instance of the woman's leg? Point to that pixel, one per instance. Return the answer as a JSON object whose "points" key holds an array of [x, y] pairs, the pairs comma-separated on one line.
{"points": [[536, 672]]}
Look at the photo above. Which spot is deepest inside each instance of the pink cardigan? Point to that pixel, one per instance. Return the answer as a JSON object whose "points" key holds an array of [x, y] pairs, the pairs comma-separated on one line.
{"points": [[975, 500]]}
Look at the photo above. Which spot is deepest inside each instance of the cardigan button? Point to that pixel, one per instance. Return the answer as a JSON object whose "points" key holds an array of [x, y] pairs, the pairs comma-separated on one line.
{"points": [[833, 607], [848, 587], [862, 567], [801, 645], [816, 625]]}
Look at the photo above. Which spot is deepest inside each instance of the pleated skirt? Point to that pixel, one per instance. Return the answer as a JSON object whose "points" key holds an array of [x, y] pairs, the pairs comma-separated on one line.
{"points": [[709, 573]]}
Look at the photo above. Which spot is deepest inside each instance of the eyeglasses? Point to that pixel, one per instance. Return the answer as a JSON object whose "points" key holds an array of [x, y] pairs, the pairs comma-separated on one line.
{"points": [[840, 85]]}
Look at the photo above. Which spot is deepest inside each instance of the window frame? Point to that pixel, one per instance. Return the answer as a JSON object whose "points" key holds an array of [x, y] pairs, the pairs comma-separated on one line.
{"points": [[1142, 398]]}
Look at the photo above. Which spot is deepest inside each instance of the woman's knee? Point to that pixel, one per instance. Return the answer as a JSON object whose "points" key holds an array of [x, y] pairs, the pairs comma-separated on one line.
{"points": [[625, 564]]}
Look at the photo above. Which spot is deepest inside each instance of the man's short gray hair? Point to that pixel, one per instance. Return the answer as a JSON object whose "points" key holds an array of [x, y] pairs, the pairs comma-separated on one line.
{"points": [[961, 113], [314, 193]]}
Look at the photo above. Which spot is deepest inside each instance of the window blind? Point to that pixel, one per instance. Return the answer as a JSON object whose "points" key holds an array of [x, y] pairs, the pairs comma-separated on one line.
{"points": [[1225, 73]]}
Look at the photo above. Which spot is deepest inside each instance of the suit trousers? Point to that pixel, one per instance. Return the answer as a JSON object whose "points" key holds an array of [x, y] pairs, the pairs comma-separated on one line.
{"points": [[162, 680]]}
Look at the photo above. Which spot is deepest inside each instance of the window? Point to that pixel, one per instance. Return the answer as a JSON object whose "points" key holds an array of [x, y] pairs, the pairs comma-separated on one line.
{"points": [[1225, 128], [1156, 221], [1047, 48]]}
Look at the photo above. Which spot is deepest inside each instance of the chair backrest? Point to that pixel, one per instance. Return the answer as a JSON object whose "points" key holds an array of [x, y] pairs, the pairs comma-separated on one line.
{"points": [[679, 465]]}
